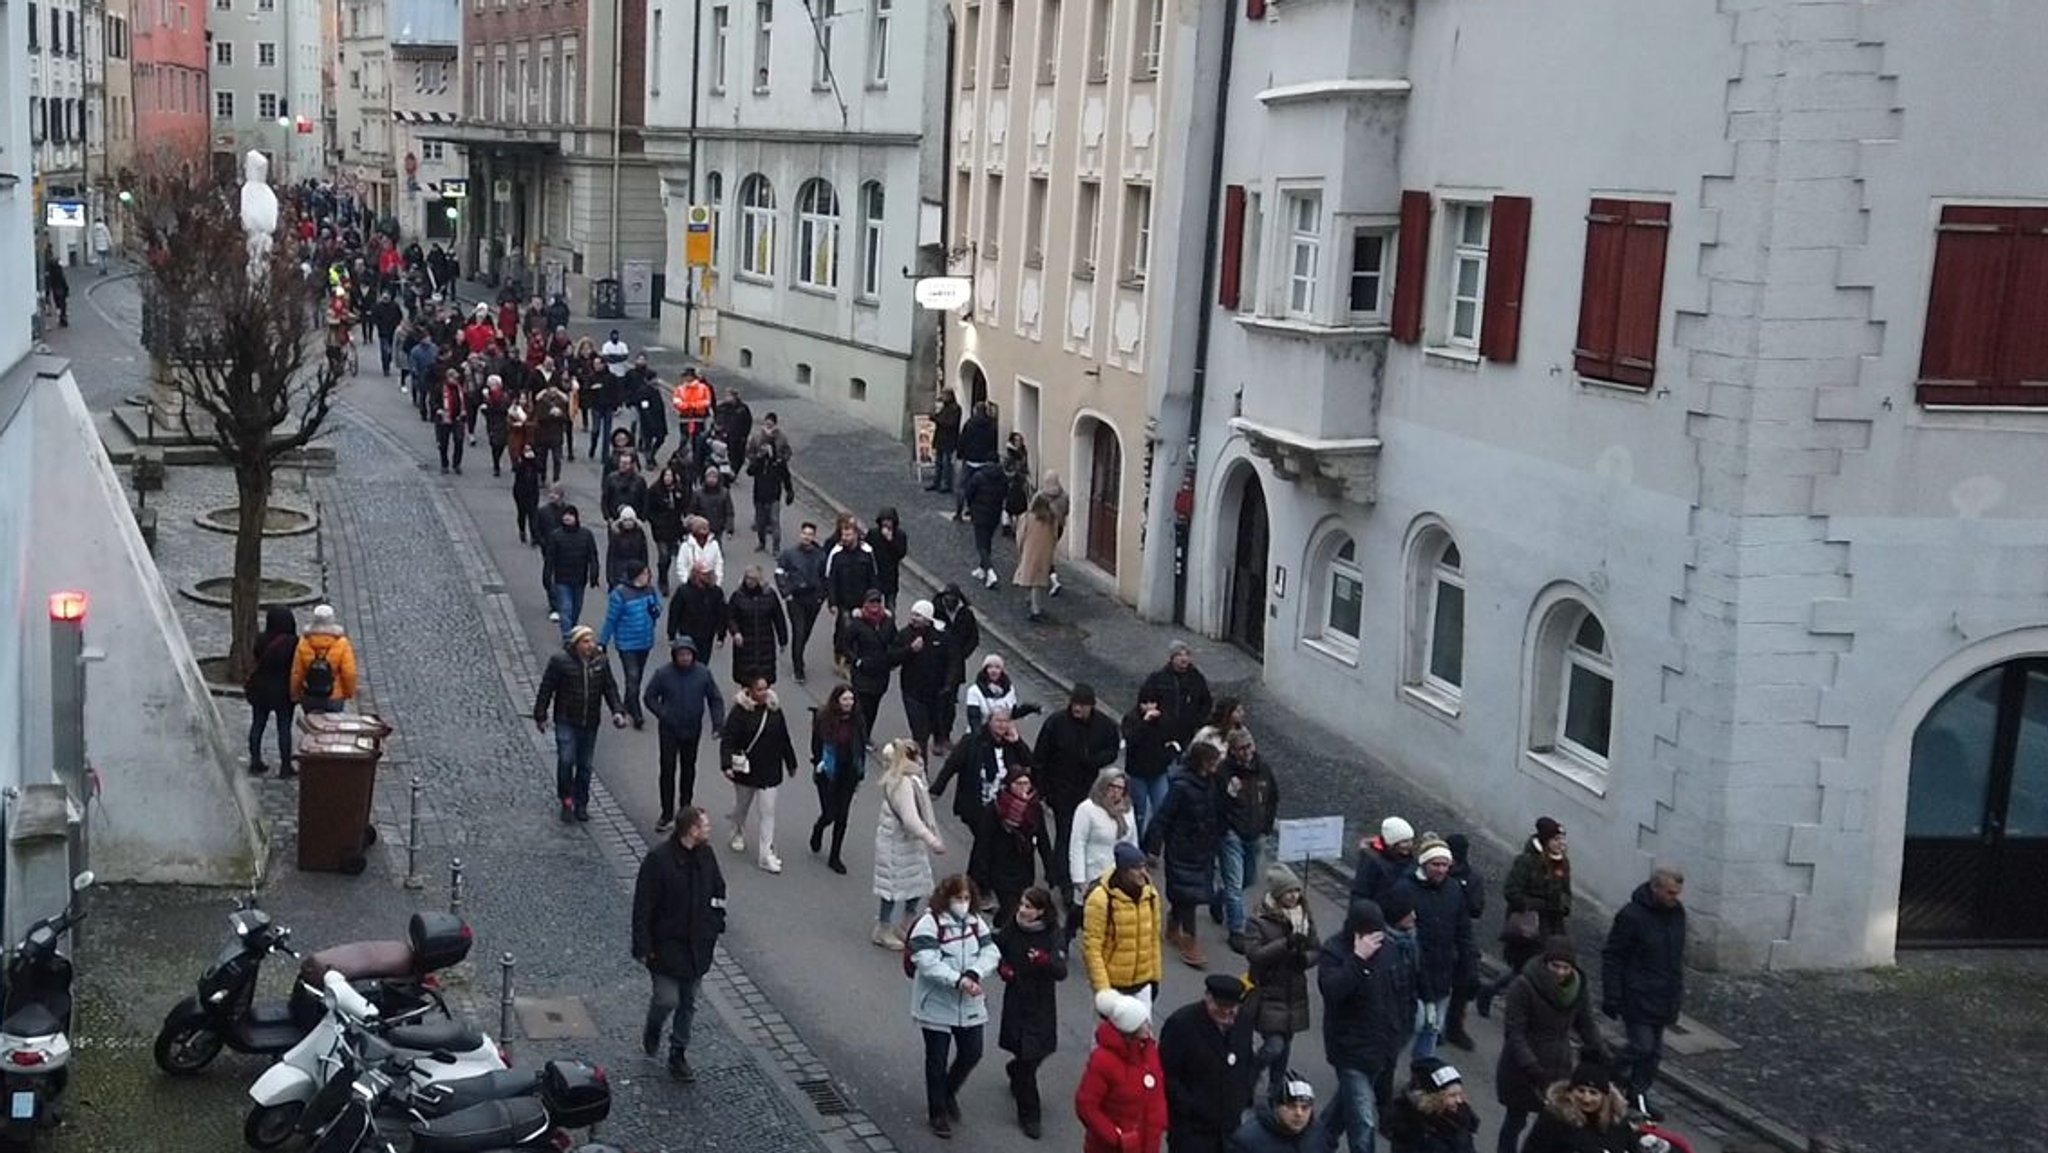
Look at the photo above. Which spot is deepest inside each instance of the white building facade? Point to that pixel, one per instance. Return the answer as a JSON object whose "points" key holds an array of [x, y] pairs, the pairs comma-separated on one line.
{"points": [[1668, 466], [266, 59], [818, 152], [362, 104], [426, 93], [58, 120]]}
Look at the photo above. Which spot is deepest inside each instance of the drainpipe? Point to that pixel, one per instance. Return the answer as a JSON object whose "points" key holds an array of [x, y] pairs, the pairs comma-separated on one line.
{"points": [[946, 187], [1212, 241], [696, 88], [618, 120]]}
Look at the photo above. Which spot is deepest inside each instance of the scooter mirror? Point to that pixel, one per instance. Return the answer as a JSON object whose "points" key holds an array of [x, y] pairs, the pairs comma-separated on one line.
{"points": [[82, 881]]}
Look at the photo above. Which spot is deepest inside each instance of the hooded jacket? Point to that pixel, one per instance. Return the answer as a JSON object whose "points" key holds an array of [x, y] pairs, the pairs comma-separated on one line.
{"points": [[667, 505], [1540, 1018], [922, 671], [870, 650], [756, 620], [888, 551], [625, 545], [269, 684], [1367, 1015], [580, 690], [328, 641], [978, 439], [1642, 965], [943, 950], [761, 734], [904, 837], [1563, 1128], [1443, 931], [569, 556], [678, 909], [1120, 935], [1411, 1129], [1184, 702], [623, 489], [963, 632], [629, 616], [679, 697], [713, 502], [1280, 960], [1377, 869], [1186, 832], [1122, 1098], [698, 610]]}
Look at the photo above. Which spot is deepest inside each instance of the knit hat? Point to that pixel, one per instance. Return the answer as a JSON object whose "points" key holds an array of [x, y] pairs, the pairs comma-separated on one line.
{"points": [[1224, 989], [1460, 846], [1129, 856], [1296, 1088], [581, 633], [921, 610], [1177, 646], [1125, 1013], [1081, 694], [1394, 830], [874, 597], [1364, 917], [627, 515], [680, 642], [1591, 1073], [323, 614], [1560, 948], [1431, 848], [1281, 879], [1396, 907], [1434, 1073], [1546, 828]]}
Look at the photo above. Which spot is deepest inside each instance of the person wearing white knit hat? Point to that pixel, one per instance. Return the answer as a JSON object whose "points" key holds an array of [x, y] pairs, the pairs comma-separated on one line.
{"points": [[1122, 1097], [1443, 935], [1383, 859]]}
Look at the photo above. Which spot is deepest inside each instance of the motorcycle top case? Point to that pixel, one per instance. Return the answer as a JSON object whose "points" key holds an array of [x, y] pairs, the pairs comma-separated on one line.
{"points": [[438, 940], [576, 1093]]}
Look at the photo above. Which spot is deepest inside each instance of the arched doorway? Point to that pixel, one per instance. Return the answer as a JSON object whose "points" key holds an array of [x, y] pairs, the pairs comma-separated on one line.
{"points": [[1976, 852], [1244, 615], [1105, 495], [974, 383]]}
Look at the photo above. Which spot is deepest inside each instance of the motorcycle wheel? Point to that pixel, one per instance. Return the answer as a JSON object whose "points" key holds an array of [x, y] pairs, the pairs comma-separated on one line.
{"points": [[270, 1126], [184, 1048]]}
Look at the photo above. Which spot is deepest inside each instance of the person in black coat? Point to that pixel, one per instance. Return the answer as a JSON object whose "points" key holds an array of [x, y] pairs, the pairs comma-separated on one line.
{"points": [[963, 637], [625, 546], [1642, 977], [624, 488], [698, 610], [945, 442], [756, 753], [923, 659], [890, 544], [849, 574], [1147, 758], [1367, 1012], [1073, 746], [1431, 1115], [768, 465], [1014, 828], [1034, 962], [1206, 1049], [526, 485], [1183, 695], [575, 689], [981, 760], [982, 495], [839, 736], [1466, 985], [668, 506], [569, 564], [977, 449], [1186, 833], [757, 627], [1443, 933], [870, 644], [268, 689], [678, 916]]}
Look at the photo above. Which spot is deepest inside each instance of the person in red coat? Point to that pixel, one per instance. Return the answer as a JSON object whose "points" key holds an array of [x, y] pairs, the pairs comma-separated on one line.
{"points": [[1122, 1098]]}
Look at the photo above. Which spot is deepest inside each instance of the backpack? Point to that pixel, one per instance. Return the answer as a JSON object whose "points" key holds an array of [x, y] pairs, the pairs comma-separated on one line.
{"points": [[319, 681], [909, 964]]}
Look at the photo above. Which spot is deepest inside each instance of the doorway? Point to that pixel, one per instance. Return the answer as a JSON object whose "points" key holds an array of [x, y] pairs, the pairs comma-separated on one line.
{"points": [[1244, 620], [1105, 492], [1027, 423], [1976, 852], [976, 384]]}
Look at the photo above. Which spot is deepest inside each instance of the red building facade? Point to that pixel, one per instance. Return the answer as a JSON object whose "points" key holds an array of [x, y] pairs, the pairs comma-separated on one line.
{"points": [[172, 100]]}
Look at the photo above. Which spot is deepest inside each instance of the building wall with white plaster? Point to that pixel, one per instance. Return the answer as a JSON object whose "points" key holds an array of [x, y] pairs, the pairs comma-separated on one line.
{"points": [[271, 68], [426, 93]]}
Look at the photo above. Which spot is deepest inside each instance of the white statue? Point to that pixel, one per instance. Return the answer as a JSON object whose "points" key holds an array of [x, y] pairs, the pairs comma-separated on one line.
{"points": [[259, 210]]}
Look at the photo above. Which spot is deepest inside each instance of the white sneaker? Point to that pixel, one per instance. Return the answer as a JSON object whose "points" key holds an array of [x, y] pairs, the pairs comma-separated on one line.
{"points": [[770, 863], [991, 578], [554, 616], [739, 842], [1055, 591], [886, 937], [975, 573]]}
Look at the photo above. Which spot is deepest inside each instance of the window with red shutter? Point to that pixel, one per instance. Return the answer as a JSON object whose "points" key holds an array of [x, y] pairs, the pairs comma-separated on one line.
{"points": [[1255, 9], [1411, 262], [1230, 276], [1986, 340], [1507, 256], [1621, 296]]}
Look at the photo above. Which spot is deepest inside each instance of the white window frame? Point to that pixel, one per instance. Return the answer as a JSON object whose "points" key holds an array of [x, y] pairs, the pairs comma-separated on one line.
{"points": [[550, 94], [1331, 567], [1150, 37], [879, 13], [433, 151], [764, 43], [1301, 286], [1550, 654], [1005, 43], [821, 44], [1383, 276], [1458, 254], [224, 53], [266, 54], [1050, 13], [223, 109], [1101, 32], [817, 236], [714, 194], [1087, 228], [1137, 222], [970, 43], [1600, 664], [873, 204], [1251, 253], [992, 216], [275, 103], [1037, 192], [572, 89], [758, 221], [1443, 574], [654, 39], [721, 45]]}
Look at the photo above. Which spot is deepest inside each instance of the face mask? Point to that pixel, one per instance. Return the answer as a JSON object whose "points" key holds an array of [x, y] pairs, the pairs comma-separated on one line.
{"points": [[958, 909]]}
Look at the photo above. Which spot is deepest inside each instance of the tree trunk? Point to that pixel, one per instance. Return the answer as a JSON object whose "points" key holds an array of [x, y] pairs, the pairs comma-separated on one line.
{"points": [[252, 484]]}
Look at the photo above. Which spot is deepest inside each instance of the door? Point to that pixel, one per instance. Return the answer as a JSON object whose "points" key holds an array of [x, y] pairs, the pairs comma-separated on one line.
{"points": [[1245, 621], [1976, 854], [977, 384], [1027, 423], [1105, 482]]}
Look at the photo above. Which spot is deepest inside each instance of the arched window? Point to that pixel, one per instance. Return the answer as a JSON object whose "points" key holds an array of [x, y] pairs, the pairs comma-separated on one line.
{"points": [[1435, 659], [817, 235], [871, 240], [1571, 705], [714, 195], [757, 226], [1587, 711], [1339, 596]]}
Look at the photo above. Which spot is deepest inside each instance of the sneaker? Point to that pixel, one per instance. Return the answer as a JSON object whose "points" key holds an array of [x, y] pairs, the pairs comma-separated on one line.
{"points": [[554, 616], [886, 937], [976, 572], [679, 1068], [1643, 1106], [738, 844], [990, 581], [942, 1126], [770, 863], [667, 822], [568, 811], [650, 1039], [1055, 590]]}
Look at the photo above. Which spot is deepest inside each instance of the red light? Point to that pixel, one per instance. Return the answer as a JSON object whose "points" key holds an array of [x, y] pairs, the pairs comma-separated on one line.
{"points": [[430, 982], [67, 606], [25, 1058]]}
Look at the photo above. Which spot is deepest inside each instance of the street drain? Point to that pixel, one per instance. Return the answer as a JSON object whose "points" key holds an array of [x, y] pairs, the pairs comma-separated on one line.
{"points": [[825, 1097]]}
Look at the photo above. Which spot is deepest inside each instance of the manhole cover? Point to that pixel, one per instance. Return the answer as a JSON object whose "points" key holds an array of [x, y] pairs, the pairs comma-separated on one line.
{"points": [[553, 1018]]}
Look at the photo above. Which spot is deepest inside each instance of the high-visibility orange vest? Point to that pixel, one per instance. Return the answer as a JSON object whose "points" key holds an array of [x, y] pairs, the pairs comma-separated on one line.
{"points": [[693, 400]]}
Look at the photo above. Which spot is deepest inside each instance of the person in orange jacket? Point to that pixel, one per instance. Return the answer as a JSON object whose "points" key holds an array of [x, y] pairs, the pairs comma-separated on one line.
{"points": [[324, 666], [1122, 1098], [692, 400]]}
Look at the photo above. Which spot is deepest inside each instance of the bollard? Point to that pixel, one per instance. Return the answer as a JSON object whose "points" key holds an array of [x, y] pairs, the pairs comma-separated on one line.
{"points": [[319, 539], [149, 419], [455, 887], [505, 1004], [413, 880]]}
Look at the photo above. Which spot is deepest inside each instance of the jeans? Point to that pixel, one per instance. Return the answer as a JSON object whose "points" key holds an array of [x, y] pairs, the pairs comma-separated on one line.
{"points": [[942, 471], [1147, 795], [965, 471], [1429, 1026], [678, 768], [664, 561], [568, 603], [803, 617], [574, 746], [632, 667], [676, 999], [445, 436], [941, 1081], [1354, 1112], [746, 798], [1237, 859], [885, 910], [384, 351], [600, 425], [1275, 1051], [984, 545], [550, 459], [768, 524], [258, 715], [1642, 1048]]}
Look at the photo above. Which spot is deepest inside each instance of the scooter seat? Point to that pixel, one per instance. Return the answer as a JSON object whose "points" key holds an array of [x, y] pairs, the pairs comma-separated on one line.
{"points": [[434, 1037], [358, 960], [32, 1020], [442, 1098], [486, 1126]]}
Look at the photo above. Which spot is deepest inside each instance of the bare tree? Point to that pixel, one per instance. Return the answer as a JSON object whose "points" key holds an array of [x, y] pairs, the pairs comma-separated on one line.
{"points": [[242, 352]]}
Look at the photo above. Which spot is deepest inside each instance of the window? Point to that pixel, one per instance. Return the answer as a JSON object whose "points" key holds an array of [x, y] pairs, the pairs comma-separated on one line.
{"points": [[35, 42], [804, 374], [823, 12], [1622, 291], [714, 194], [481, 86], [970, 43], [505, 104], [36, 125], [433, 151], [992, 219], [757, 226], [856, 389], [355, 78], [817, 235], [963, 184], [527, 94], [1034, 222], [1304, 251], [1434, 664], [1048, 41], [764, 41], [268, 106], [1151, 36], [1087, 227], [1465, 267], [721, 37], [1365, 294], [654, 56], [572, 86], [223, 5], [223, 105], [1098, 40], [224, 53], [266, 5], [1987, 311], [871, 205], [266, 54], [1137, 232], [1588, 705], [1571, 704], [550, 94], [879, 12], [1342, 617], [1006, 24]]}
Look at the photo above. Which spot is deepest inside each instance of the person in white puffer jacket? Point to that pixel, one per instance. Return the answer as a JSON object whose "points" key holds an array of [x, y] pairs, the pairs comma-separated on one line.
{"points": [[992, 690], [905, 838], [1101, 822]]}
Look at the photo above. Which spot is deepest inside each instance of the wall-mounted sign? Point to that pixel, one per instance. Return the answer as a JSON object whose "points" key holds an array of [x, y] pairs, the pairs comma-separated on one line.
{"points": [[455, 189], [64, 214], [501, 190], [943, 293], [697, 238]]}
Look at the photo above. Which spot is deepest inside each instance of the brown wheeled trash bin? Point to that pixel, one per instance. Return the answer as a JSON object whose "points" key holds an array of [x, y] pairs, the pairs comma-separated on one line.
{"points": [[337, 756]]}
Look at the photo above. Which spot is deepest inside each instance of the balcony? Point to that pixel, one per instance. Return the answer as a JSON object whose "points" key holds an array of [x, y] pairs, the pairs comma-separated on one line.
{"points": [[1347, 469]]}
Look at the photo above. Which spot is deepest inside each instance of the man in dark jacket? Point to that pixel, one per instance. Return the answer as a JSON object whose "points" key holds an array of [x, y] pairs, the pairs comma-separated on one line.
{"points": [[890, 545], [1642, 977], [800, 574], [870, 644], [569, 564], [1288, 1124], [1366, 1017], [1383, 860], [1466, 986], [1250, 798], [699, 609], [678, 915], [1183, 695], [578, 685], [982, 494], [945, 442], [1205, 1049], [924, 664], [679, 694], [1073, 745], [849, 573], [768, 464], [979, 444], [624, 488], [734, 420], [982, 760], [963, 637], [1443, 933]]}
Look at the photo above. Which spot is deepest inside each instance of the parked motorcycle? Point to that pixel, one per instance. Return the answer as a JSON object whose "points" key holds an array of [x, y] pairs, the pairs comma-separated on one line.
{"points": [[570, 1095], [35, 1025], [396, 976]]}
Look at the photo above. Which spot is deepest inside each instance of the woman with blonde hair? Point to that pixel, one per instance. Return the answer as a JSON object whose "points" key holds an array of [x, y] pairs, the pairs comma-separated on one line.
{"points": [[906, 835], [1584, 1113], [1038, 536]]}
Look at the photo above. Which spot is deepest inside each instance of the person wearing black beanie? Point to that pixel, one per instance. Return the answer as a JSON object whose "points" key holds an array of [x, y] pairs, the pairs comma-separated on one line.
{"points": [[1584, 1113]]}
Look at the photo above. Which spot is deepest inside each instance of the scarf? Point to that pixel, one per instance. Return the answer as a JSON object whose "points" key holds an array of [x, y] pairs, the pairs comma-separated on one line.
{"points": [[1018, 814], [1297, 919], [1564, 994]]}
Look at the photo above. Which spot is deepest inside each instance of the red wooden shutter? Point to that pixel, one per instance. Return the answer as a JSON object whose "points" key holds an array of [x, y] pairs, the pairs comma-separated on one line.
{"points": [[1973, 250], [1507, 257], [1231, 273], [2023, 365], [1642, 293], [1255, 9], [1600, 289], [1411, 263]]}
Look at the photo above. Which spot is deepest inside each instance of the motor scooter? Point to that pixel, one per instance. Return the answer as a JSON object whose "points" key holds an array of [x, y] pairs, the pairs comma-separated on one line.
{"points": [[358, 1118], [35, 1025], [396, 976], [282, 1094]]}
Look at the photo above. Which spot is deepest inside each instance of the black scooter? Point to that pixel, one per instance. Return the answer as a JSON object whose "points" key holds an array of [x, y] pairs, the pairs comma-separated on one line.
{"points": [[35, 1026], [396, 976], [503, 1111]]}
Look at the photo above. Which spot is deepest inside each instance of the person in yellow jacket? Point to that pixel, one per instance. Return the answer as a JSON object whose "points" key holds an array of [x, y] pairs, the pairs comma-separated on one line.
{"points": [[324, 667], [1120, 928]]}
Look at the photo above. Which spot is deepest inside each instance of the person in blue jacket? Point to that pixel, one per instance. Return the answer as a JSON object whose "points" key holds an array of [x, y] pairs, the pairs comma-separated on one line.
{"points": [[630, 613]]}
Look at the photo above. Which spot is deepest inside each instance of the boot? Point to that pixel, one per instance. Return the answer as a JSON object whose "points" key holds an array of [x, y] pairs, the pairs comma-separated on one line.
{"points": [[1191, 953]]}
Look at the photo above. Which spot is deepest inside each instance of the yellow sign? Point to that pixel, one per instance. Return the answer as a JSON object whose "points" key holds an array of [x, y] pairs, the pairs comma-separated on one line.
{"points": [[697, 238]]}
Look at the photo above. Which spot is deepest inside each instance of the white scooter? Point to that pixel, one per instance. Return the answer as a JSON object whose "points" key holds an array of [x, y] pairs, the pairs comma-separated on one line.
{"points": [[35, 1025], [457, 1049]]}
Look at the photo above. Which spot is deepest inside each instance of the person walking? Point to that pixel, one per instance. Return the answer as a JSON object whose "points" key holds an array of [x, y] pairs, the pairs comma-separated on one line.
{"points": [[1034, 962], [1062, 507], [606, 389], [1186, 836], [1547, 1007], [757, 628], [982, 494], [1014, 839], [1249, 796], [963, 637], [1538, 896], [386, 315], [527, 473], [625, 547], [1037, 537], [569, 564], [1465, 986], [890, 545], [1282, 952], [871, 652], [1288, 1123], [1432, 1114], [1585, 1113], [906, 838], [678, 916], [800, 574], [58, 287], [757, 755], [951, 951], [1183, 696], [1102, 821], [623, 486], [1383, 860], [323, 665], [1443, 934], [839, 735], [1121, 1100], [768, 465], [982, 762], [268, 689], [496, 410], [1642, 979], [992, 691], [699, 609], [576, 688], [977, 451], [1367, 1013], [668, 505], [713, 503], [700, 547], [451, 416], [1206, 1049], [848, 575], [680, 694], [1148, 757], [1074, 746], [923, 663], [551, 430], [945, 441], [1120, 928], [631, 611]]}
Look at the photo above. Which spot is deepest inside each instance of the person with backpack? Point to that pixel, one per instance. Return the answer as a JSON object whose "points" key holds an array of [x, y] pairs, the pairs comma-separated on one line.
{"points": [[952, 950], [269, 689], [323, 665]]}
